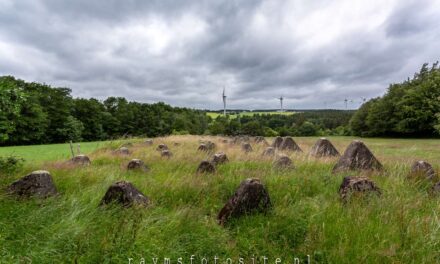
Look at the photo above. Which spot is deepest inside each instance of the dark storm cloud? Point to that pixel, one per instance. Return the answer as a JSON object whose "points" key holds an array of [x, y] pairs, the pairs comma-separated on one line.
{"points": [[412, 18], [315, 53]]}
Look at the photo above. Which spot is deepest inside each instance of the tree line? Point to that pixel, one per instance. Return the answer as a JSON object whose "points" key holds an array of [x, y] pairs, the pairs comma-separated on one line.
{"points": [[408, 109], [34, 113], [305, 123]]}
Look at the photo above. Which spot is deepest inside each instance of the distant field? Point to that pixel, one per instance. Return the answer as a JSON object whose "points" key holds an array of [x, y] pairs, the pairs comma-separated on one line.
{"points": [[216, 114], [50, 152], [307, 218]]}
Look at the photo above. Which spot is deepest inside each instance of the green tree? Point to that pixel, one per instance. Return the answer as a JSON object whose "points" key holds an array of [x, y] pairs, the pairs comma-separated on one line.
{"points": [[233, 127], [420, 104], [408, 109], [31, 126], [269, 132], [72, 130], [252, 128], [437, 126], [91, 113], [218, 127], [57, 104], [11, 100], [358, 122], [307, 129]]}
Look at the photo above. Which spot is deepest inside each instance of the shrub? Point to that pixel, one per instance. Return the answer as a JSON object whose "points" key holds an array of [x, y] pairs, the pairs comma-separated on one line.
{"points": [[179, 132], [10, 164], [307, 129], [269, 132]]}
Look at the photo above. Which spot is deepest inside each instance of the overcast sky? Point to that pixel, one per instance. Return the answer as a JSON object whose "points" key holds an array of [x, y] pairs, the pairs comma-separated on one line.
{"points": [[314, 53]]}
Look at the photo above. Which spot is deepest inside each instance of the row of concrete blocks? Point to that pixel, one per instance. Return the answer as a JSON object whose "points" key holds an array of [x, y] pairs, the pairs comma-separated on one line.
{"points": [[250, 196]]}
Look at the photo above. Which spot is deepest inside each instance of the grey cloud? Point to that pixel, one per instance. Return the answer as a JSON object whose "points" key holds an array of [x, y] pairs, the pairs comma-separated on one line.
{"points": [[184, 52], [412, 18]]}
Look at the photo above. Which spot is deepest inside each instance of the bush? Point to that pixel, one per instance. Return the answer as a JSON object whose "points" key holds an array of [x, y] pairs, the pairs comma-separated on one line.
{"points": [[307, 129], [179, 132], [284, 132], [340, 131], [10, 164], [252, 128], [269, 132]]}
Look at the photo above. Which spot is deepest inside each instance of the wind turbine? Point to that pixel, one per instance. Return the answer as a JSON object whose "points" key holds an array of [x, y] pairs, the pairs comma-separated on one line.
{"points": [[345, 101], [281, 103], [224, 101]]}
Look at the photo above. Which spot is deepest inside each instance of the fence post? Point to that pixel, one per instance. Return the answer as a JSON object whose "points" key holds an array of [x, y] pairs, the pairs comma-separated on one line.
{"points": [[71, 149]]}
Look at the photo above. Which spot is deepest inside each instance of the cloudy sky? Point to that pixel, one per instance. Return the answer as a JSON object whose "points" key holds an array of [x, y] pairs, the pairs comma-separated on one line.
{"points": [[313, 52]]}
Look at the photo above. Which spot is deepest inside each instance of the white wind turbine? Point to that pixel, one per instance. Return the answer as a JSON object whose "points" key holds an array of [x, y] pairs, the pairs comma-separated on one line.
{"points": [[224, 101], [281, 103]]}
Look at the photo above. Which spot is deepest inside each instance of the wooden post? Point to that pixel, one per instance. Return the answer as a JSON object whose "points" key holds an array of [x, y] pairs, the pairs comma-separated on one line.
{"points": [[78, 149], [71, 149]]}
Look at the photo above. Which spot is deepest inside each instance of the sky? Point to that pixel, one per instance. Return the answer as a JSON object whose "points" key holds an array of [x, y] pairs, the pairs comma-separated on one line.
{"points": [[314, 53]]}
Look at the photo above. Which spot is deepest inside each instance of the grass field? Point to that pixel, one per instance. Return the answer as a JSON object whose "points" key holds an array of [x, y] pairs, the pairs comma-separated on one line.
{"points": [[214, 115], [41, 153], [401, 226]]}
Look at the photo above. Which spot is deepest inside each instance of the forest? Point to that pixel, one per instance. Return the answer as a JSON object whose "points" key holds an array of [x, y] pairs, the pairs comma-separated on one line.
{"points": [[408, 109], [34, 113], [302, 123]]}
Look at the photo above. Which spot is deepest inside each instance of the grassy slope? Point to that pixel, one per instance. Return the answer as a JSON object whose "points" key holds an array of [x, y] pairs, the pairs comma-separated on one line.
{"points": [[402, 226]]}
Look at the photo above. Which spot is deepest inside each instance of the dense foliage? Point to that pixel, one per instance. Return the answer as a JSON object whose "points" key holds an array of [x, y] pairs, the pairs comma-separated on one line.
{"points": [[408, 109], [10, 164], [304, 123], [33, 113]]}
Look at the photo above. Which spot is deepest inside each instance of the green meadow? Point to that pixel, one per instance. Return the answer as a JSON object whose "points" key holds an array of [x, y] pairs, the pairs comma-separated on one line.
{"points": [[40, 153], [307, 220]]}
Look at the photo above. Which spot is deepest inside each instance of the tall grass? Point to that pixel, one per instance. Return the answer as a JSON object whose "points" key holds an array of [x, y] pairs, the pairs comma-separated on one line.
{"points": [[401, 226]]}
